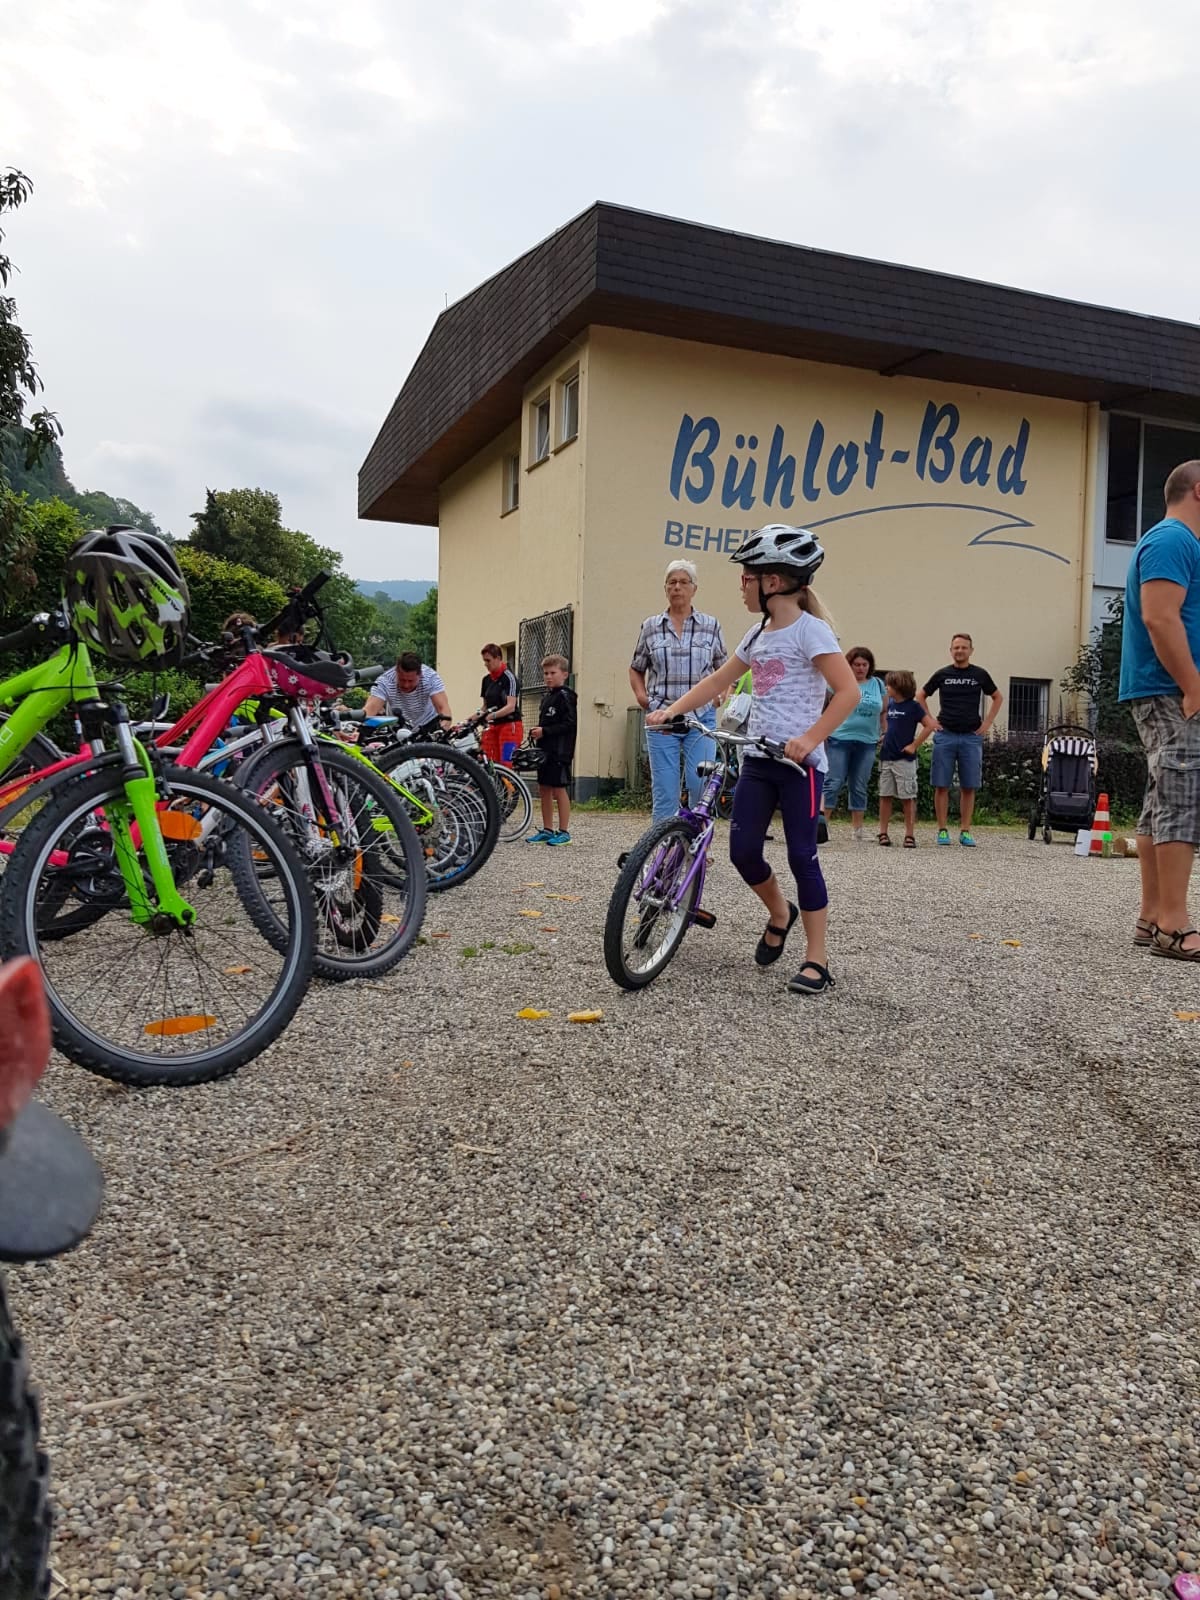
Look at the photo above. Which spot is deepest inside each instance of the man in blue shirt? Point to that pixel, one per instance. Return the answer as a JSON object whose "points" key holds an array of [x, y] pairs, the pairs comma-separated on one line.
{"points": [[1160, 648]]}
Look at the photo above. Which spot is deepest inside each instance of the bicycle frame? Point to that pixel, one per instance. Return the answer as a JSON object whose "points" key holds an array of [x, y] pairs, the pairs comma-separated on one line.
{"points": [[37, 696]]}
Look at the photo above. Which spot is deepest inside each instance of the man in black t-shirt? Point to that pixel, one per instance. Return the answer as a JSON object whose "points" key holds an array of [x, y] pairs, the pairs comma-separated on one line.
{"points": [[961, 726]]}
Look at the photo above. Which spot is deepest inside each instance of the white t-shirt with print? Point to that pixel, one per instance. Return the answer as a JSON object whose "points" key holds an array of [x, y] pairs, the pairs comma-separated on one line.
{"points": [[789, 692]]}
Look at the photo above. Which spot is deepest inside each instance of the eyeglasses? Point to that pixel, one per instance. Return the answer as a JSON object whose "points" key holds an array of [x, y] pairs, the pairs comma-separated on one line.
{"points": [[748, 577]]}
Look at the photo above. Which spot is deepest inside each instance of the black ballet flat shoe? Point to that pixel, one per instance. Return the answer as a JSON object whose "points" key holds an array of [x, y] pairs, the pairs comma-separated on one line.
{"points": [[764, 953], [812, 978]]}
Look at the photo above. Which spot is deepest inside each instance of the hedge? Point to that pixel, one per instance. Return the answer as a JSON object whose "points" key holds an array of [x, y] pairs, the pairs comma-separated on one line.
{"points": [[1012, 777]]}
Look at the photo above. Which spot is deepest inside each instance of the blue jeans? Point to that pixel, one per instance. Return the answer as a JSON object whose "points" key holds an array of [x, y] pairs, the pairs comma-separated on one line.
{"points": [[850, 763], [962, 749], [664, 751]]}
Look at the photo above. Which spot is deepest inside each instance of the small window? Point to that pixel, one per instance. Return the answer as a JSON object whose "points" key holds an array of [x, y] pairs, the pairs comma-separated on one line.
{"points": [[1028, 704], [512, 482], [539, 430], [1162, 450], [1124, 462], [569, 410]]}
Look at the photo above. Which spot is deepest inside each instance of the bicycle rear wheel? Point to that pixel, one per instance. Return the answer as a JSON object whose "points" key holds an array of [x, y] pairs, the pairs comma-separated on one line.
{"points": [[156, 1003], [365, 863], [516, 803], [465, 832], [652, 904], [25, 1516]]}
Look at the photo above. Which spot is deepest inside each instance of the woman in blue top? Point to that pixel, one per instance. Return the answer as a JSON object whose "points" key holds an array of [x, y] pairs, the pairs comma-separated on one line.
{"points": [[851, 750]]}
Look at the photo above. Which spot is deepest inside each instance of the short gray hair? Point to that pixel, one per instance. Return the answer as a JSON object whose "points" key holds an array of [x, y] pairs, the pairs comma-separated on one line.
{"points": [[682, 566]]}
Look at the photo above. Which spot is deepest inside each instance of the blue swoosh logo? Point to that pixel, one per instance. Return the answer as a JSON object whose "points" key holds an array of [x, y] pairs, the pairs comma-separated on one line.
{"points": [[1008, 521]]}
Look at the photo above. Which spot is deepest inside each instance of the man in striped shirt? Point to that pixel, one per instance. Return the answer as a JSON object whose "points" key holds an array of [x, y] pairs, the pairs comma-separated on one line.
{"points": [[409, 690]]}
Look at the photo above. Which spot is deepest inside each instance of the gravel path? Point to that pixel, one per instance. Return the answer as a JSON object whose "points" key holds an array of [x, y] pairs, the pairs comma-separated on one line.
{"points": [[735, 1293]]}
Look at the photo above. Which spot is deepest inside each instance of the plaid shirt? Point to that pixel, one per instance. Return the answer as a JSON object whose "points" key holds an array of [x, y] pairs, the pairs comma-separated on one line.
{"points": [[672, 663]]}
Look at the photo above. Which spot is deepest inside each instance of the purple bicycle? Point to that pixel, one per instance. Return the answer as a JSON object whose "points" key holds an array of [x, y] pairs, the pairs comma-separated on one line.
{"points": [[657, 896]]}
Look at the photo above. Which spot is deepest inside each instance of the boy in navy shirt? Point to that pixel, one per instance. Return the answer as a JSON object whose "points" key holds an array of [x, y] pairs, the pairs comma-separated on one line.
{"points": [[908, 725]]}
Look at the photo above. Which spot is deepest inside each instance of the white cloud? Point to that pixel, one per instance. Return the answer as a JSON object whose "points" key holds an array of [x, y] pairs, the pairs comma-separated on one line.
{"points": [[274, 198]]}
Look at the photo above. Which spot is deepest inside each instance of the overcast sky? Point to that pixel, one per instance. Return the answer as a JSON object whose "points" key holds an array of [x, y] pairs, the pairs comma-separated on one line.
{"points": [[248, 213]]}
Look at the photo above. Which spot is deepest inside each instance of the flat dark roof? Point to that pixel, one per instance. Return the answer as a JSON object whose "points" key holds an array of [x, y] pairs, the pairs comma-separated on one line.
{"points": [[631, 269]]}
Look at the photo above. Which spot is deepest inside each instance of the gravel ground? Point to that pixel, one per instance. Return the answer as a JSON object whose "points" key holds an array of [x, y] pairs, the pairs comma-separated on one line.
{"points": [[891, 1291]]}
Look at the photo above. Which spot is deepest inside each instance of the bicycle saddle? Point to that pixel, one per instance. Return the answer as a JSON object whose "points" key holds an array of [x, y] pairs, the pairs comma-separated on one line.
{"points": [[331, 673]]}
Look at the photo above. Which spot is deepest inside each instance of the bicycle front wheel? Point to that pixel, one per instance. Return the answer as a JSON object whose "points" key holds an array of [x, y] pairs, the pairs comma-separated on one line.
{"points": [[455, 786], [364, 860], [153, 1002], [652, 904]]}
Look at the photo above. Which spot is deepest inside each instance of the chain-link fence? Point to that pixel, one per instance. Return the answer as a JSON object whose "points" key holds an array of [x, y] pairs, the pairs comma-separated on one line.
{"points": [[551, 634]]}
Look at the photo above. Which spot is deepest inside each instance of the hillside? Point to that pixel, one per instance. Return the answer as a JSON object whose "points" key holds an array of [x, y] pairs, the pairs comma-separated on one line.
{"points": [[407, 589]]}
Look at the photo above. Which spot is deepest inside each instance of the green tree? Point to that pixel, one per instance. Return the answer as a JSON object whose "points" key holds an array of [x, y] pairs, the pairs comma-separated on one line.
{"points": [[100, 510], [422, 627], [220, 587], [47, 529], [44, 479], [19, 384], [1096, 673]]}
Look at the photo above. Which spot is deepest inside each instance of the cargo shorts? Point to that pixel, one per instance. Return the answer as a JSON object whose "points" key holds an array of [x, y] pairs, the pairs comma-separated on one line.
{"points": [[1171, 808], [898, 779]]}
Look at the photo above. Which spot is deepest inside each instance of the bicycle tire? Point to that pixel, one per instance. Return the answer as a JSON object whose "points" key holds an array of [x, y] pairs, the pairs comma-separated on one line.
{"points": [[623, 891], [516, 803], [20, 935], [25, 1514], [404, 864], [480, 787]]}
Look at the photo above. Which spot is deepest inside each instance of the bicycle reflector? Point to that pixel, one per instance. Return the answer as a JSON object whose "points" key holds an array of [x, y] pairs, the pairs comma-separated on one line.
{"points": [[172, 1027]]}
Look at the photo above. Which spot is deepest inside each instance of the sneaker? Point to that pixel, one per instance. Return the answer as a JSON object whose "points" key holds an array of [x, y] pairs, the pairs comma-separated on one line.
{"points": [[559, 838], [943, 835], [966, 840], [542, 836]]}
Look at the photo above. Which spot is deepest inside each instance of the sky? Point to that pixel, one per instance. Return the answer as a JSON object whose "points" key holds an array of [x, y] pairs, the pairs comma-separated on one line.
{"points": [[248, 213]]}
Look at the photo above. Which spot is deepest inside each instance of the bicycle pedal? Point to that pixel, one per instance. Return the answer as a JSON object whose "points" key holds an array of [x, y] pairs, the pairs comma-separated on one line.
{"points": [[704, 919]]}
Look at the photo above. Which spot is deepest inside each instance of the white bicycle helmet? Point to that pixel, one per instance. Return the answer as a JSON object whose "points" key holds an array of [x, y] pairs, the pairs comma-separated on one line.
{"points": [[780, 544]]}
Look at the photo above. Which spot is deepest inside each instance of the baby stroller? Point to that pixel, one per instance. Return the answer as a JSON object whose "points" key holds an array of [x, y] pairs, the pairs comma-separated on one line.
{"points": [[1066, 799]]}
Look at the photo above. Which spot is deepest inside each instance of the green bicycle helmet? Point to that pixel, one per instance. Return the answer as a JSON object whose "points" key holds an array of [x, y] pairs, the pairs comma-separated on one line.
{"points": [[126, 596]]}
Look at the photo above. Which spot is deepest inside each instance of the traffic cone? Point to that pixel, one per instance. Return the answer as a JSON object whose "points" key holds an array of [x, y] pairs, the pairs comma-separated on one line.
{"points": [[1099, 827]]}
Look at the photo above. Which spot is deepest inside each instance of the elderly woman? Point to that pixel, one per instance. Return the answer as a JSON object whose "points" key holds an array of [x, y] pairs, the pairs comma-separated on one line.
{"points": [[851, 750], [675, 649]]}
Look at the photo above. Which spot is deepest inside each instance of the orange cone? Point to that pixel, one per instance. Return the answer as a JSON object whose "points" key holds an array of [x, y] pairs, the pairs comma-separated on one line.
{"points": [[1099, 827]]}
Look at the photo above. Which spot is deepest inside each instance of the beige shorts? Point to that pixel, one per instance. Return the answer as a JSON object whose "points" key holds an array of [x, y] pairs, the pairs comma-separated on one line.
{"points": [[898, 779]]}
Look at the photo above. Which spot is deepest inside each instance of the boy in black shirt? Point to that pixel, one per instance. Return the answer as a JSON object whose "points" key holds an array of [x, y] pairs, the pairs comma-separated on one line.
{"points": [[555, 733], [961, 729]]}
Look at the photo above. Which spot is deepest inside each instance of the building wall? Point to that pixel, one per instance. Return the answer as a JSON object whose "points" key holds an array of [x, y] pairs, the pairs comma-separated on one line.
{"points": [[941, 507], [495, 568]]}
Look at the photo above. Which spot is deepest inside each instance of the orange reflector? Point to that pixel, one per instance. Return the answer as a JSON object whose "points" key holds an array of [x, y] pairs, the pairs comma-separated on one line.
{"points": [[179, 825], [170, 1026], [358, 872]]}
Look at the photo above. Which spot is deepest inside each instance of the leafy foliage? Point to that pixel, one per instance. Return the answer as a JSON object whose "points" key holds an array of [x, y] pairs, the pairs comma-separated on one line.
{"points": [[1097, 674], [220, 587], [19, 381], [422, 627]]}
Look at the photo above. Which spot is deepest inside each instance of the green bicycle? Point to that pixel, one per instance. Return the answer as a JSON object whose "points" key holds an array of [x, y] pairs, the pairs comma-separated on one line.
{"points": [[154, 872]]}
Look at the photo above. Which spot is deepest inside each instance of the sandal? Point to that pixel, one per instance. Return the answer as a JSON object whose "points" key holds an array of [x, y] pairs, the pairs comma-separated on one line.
{"points": [[883, 840], [910, 842], [1144, 932], [802, 985], [1170, 945], [765, 953]]}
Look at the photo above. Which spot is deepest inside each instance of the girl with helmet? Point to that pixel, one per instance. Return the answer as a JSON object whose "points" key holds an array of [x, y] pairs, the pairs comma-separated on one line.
{"points": [[794, 659]]}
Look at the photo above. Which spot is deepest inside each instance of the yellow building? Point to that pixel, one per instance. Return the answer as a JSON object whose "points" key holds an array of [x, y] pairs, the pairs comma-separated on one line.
{"points": [[636, 388]]}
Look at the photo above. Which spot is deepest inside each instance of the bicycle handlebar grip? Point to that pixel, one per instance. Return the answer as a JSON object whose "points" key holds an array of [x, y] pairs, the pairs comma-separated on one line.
{"points": [[22, 636], [367, 674]]}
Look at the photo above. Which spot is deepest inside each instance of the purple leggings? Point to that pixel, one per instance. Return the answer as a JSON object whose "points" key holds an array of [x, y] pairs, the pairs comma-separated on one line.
{"points": [[761, 787]]}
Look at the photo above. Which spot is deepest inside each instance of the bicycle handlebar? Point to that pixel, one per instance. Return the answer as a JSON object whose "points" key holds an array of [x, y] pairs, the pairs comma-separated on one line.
{"points": [[772, 748], [28, 633]]}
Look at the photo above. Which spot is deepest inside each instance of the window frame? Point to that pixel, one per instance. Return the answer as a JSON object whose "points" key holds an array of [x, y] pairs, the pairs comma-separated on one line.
{"points": [[1143, 422], [510, 483], [1043, 718], [535, 407], [567, 383]]}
